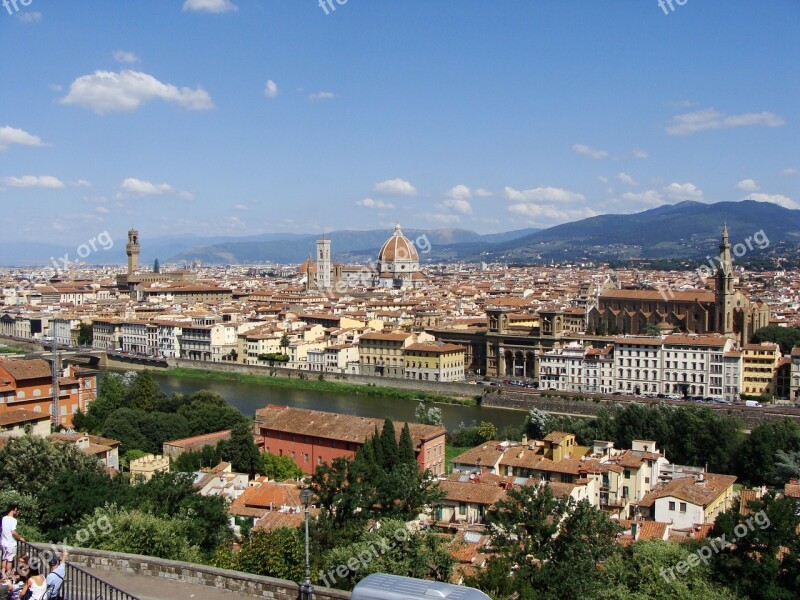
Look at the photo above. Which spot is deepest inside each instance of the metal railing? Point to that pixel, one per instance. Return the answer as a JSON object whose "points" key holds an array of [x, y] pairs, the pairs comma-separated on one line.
{"points": [[78, 583]]}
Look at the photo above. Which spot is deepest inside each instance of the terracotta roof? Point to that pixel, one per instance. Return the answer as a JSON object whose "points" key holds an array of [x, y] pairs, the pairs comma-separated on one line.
{"points": [[201, 440], [20, 415], [333, 426], [22, 370], [791, 490], [471, 492], [687, 489], [655, 295]]}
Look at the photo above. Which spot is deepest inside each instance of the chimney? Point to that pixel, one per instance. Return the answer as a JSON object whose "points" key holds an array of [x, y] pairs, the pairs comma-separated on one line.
{"points": [[524, 440]]}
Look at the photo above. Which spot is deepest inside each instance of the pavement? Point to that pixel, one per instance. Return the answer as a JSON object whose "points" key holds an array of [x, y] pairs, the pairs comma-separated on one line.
{"points": [[159, 588]]}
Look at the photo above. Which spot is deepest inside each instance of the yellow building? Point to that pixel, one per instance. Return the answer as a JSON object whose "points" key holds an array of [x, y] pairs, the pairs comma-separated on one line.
{"points": [[381, 354], [144, 468], [759, 368], [434, 362]]}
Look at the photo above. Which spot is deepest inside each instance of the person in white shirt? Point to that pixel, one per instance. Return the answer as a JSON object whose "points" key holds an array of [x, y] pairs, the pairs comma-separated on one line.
{"points": [[9, 538]]}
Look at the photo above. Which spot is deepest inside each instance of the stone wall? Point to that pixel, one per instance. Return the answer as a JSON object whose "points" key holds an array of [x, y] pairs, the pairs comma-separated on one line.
{"points": [[247, 586]]}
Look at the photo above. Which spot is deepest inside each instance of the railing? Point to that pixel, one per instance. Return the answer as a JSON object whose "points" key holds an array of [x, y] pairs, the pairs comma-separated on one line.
{"points": [[78, 584]]}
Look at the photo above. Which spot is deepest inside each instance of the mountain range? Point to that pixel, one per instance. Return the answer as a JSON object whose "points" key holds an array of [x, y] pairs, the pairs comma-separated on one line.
{"points": [[687, 230]]}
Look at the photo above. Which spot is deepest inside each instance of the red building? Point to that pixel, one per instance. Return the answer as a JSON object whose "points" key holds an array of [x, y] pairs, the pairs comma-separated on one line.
{"points": [[28, 384], [312, 437]]}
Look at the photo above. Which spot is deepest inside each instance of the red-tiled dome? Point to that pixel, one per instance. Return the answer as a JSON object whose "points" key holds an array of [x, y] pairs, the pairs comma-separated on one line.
{"points": [[398, 248]]}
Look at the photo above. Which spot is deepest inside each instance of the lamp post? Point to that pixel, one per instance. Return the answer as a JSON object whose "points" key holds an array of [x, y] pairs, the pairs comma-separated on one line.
{"points": [[306, 590]]}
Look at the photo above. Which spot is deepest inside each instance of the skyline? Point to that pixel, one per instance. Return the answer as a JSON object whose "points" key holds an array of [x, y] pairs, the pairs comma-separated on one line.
{"points": [[478, 118]]}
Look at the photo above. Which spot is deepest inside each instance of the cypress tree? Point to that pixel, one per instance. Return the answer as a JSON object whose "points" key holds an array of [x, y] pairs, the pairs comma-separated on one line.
{"points": [[377, 448], [406, 447], [391, 452]]}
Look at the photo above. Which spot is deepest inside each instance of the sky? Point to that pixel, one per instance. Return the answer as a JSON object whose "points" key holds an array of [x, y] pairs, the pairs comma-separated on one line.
{"points": [[241, 117]]}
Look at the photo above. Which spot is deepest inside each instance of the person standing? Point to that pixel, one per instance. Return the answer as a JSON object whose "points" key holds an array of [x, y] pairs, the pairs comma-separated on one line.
{"points": [[9, 538]]}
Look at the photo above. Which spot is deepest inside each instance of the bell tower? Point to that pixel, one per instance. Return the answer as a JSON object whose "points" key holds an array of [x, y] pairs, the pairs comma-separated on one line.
{"points": [[725, 290], [132, 249], [323, 263]]}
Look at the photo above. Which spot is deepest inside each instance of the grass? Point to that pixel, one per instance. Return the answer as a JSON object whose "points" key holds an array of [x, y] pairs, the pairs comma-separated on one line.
{"points": [[316, 385], [10, 350], [450, 453]]}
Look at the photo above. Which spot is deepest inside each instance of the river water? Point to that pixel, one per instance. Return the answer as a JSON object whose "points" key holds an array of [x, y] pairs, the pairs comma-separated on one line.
{"points": [[247, 397]]}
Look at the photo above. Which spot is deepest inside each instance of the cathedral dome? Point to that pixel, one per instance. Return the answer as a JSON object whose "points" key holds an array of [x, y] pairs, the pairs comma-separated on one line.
{"points": [[398, 248]]}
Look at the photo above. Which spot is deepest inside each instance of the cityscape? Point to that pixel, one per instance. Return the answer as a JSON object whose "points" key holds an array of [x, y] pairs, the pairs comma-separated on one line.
{"points": [[326, 300]]}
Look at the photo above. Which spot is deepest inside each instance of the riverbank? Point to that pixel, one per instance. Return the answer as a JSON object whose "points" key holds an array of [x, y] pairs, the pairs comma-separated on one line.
{"points": [[311, 382]]}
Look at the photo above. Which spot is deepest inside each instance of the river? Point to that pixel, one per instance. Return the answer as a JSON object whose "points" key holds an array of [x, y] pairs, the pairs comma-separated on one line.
{"points": [[247, 397]]}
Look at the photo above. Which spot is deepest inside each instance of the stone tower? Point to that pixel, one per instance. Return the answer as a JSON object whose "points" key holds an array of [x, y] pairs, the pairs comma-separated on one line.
{"points": [[725, 291], [132, 249], [323, 264]]}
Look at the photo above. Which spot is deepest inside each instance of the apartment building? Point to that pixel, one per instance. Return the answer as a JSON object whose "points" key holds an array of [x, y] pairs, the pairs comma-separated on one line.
{"points": [[65, 330], [759, 368], [434, 361], [383, 354], [694, 365], [732, 373], [106, 334], [638, 364], [339, 356]]}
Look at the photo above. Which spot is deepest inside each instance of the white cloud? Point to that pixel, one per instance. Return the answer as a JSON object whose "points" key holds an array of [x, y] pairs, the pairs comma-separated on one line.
{"points": [[270, 89], [790, 172], [81, 183], [12, 135], [747, 185], [102, 210], [646, 198], [30, 16], [378, 204], [315, 97], [125, 57], [240, 207], [460, 192], [395, 187], [683, 191], [550, 213], [144, 188], [482, 193], [106, 91], [640, 154], [778, 199], [210, 6], [43, 181], [588, 151], [602, 179], [627, 179], [710, 118], [440, 219], [188, 196], [461, 205], [543, 194]]}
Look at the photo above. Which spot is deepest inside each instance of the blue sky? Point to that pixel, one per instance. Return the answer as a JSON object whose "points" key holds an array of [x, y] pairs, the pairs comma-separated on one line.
{"points": [[237, 117]]}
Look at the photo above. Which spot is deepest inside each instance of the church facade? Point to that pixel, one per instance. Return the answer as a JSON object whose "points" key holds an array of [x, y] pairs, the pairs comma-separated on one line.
{"points": [[725, 310]]}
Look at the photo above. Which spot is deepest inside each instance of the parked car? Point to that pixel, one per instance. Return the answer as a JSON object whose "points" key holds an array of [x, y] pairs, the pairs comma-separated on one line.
{"points": [[752, 403]]}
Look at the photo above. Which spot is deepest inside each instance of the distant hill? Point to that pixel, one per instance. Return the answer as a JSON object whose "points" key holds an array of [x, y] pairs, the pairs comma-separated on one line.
{"points": [[688, 229]]}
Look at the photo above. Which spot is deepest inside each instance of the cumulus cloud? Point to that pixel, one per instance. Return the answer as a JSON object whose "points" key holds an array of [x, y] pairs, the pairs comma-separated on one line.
{"points": [[395, 187], [482, 193], [747, 185], [11, 135], [125, 57], [107, 91], [647, 198], [549, 213], [317, 96], [271, 89], [442, 219], [589, 151], [460, 192], [543, 194], [778, 199], [378, 204], [81, 183], [627, 179], [640, 154], [461, 205], [683, 191], [144, 188], [710, 118], [210, 6], [28, 181]]}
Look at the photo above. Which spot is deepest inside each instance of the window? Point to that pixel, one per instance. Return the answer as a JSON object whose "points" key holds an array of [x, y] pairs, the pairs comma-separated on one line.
{"points": [[627, 473], [462, 510], [672, 506], [683, 507]]}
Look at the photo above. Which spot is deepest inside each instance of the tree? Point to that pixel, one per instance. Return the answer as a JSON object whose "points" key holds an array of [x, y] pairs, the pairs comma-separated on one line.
{"points": [[85, 335], [29, 464], [146, 431], [427, 414], [156, 267], [242, 451], [536, 424], [144, 393], [284, 343], [391, 452], [275, 553], [487, 431], [209, 412], [787, 466], [406, 454], [756, 458], [279, 468], [787, 337], [764, 561]]}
